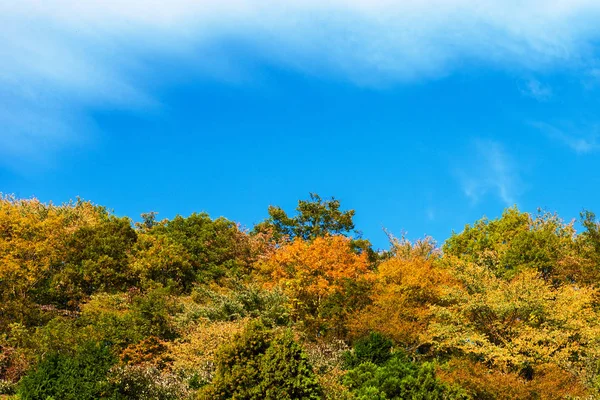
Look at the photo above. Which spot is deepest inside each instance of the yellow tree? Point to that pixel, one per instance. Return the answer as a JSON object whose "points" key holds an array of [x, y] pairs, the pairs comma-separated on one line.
{"points": [[33, 245], [407, 285], [325, 280], [523, 325]]}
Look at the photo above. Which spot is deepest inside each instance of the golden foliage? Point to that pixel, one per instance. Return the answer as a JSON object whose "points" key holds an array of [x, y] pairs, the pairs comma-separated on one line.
{"points": [[194, 352], [32, 239], [520, 322], [406, 288], [319, 276], [548, 383], [33, 243]]}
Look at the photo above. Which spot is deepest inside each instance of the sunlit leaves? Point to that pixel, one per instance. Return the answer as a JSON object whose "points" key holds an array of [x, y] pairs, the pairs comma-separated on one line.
{"points": [[519, 323], [320, 277]]}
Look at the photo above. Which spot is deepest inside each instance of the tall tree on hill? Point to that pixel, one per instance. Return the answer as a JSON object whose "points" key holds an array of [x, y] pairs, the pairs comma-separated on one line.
{"points": [[316, 217]]}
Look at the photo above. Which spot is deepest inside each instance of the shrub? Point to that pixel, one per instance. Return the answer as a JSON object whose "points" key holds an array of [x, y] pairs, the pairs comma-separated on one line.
{"points": [[399, 378], [375, 348], [194, 354], [260, 364], [141, 382], [80, 376], [244, 301]]}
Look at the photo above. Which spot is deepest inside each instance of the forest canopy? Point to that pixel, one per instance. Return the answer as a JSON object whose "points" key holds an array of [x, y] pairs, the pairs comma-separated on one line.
{"points": [[300, 306]]}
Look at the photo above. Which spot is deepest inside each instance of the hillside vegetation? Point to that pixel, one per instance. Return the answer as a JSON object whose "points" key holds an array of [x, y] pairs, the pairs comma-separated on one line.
{"points": [[94, 306]]}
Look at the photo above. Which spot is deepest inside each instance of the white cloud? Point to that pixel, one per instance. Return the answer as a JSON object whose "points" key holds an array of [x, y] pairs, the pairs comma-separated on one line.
{"points": [[580, 140], [61, 57], [491, 171]]}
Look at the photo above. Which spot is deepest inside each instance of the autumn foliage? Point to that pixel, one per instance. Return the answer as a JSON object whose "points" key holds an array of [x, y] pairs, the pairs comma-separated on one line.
{"points": [[94, 305], [325, 279]]}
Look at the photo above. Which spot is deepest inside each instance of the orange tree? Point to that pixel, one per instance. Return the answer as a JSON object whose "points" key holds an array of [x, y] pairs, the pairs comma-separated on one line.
{"points": [[403, 294], [407, 285], [325, 280]]}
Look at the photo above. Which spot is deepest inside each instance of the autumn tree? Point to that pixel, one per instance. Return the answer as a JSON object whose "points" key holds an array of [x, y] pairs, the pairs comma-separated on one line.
{"points": [[483, 382], [34, 242], [522, 325], [406, 286], [325, 279], [517, 241]]}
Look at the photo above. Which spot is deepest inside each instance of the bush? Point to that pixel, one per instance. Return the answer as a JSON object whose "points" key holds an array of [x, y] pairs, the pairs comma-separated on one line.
{"points": [[397, 379], [139, 382], [244, 301], [80, 376], [260, 364], [375, 348]]}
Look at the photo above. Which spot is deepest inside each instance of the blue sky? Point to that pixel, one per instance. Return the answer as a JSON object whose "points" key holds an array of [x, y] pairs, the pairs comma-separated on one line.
{"points": [[421, 116]]}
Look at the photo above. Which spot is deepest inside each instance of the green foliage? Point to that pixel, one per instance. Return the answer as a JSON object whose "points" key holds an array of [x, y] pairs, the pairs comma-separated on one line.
{"points": [[79, 376], [241, 302], [589, 246], [316, 217], [128, 318], [374, 348], [260, 364], [514, 242], [399, 378], [151, 313], [158, 259], [286, 372], [97, 260], [216, 248]]}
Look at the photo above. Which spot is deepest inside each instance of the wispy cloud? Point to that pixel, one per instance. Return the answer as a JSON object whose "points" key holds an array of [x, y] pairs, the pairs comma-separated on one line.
{"points": [[430, 214], [491, 171], [579, 140], [62, 57], [537, 90]]}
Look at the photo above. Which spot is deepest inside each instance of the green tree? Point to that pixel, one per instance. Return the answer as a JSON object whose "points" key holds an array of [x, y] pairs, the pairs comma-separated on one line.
{"points": [[374, 348], [399, 379], [216, 248], [514, 242], [588, 249], [260, 364], [315, 217], [158, 259], [96, 260], [78, 376]]}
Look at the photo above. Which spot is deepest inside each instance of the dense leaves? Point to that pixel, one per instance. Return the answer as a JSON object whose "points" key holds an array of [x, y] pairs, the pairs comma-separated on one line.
{"points": [[325, 280], [93, 305], [396, 377], [79, 376], [260, 364]]}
